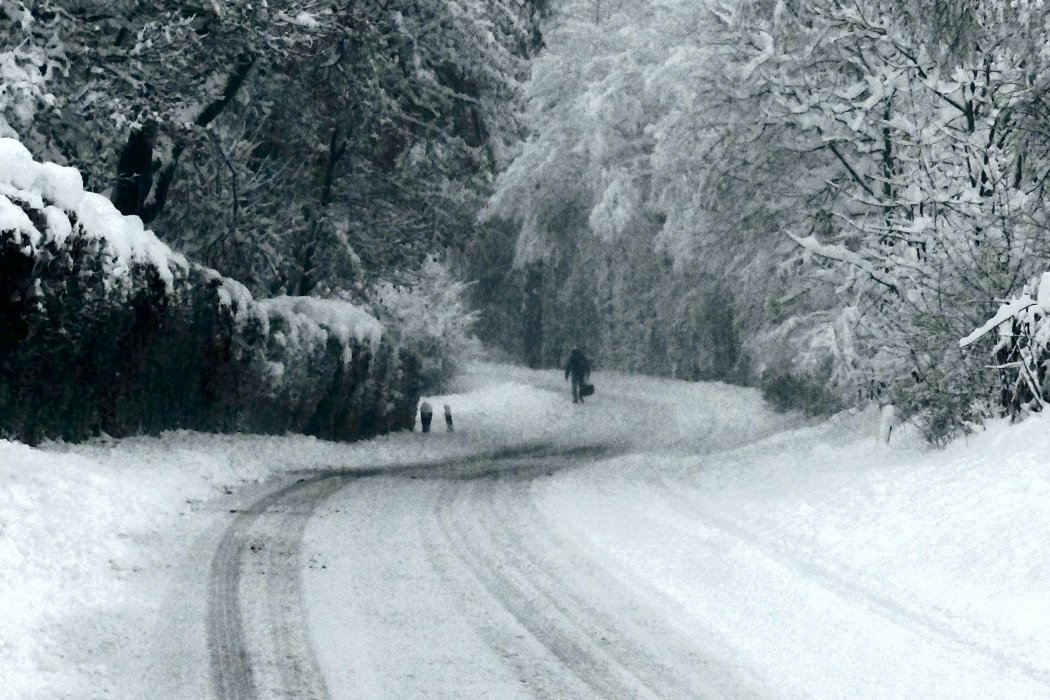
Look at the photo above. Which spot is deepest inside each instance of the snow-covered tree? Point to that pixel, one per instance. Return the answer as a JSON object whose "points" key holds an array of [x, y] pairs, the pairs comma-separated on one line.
{"points": [[862, 181], [581, 192], [911, 181], [295, 137]]}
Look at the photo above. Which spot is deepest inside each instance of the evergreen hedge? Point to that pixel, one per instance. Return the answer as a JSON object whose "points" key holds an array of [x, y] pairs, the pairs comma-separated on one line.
{"points": [[96, 340]]}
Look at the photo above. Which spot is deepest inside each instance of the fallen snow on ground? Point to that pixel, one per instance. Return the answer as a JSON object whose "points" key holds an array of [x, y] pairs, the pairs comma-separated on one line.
{"points": [[828, 564], [836, 567]]}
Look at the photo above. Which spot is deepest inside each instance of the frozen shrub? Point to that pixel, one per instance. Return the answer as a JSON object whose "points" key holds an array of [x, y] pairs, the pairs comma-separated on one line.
{"points": [[1021, 349], [808, 362], [787, 392], [430, 318]]}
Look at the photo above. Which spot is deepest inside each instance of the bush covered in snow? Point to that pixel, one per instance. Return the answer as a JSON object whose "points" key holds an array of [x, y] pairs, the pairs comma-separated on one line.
{"points": [[787, 391], [807, 361], [103, 329], [430, 317]]}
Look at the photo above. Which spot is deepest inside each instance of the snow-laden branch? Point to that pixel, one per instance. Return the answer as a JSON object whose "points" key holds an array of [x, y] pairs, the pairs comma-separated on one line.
{"points": [[1006, 312], [843, 254]]}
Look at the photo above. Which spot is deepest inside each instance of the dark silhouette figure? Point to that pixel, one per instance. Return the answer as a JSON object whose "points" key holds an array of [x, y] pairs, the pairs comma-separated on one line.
{"points": [[579, 369], [426, 414], [448, 417]]}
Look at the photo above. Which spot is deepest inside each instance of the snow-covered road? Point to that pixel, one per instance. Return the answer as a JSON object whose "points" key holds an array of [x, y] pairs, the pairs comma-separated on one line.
{"points": [[444, 580], [257, 642], [453, 585], [664, 540], [257, 631]]}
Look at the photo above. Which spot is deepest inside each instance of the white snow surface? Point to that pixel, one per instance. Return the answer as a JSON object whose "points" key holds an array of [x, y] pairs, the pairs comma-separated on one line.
{"points": [[340, 318], [36, 183], [814, 559]]}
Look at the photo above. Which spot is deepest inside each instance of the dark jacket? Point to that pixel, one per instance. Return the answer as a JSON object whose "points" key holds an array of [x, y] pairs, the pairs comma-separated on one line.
{"points": [[577, 366]]}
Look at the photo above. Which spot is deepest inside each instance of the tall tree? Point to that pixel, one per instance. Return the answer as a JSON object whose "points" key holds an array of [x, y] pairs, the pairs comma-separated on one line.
{"points": [[293, 143]]}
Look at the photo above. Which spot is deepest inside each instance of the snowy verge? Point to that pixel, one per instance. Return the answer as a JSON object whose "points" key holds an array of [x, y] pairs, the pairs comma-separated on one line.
{"points": [[835, 566]]}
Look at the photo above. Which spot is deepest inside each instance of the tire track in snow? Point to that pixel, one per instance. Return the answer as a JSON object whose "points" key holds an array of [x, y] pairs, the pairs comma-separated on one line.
{"points": [[256, 629], [614, 646], [256, 623], [484, 520], [510, 589], [231, 670]]}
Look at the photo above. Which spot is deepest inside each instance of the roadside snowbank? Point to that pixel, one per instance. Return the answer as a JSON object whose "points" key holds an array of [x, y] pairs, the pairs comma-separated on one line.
{"points": [[833, 566], [59, 192]]}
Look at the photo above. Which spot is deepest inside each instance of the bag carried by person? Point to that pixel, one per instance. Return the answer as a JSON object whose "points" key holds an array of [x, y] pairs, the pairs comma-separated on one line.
{"points": [[586, 389]]}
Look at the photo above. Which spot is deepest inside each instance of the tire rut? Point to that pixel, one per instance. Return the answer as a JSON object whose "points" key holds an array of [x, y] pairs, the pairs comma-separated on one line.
{"points": [[485, 531], [257, 639], [256, 632], [629, 656]]}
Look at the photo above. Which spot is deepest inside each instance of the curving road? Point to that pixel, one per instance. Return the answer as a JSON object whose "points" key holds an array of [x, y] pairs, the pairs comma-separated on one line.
{"points": [[596, 638], [438, 582]]}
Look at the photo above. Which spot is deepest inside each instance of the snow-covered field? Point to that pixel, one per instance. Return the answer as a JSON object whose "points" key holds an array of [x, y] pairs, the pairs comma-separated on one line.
{"points": [[810, 559]]}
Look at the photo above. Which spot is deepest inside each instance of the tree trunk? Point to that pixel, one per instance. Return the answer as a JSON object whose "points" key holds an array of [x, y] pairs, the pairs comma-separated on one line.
{"points": [[532, 316], [134, 193]]}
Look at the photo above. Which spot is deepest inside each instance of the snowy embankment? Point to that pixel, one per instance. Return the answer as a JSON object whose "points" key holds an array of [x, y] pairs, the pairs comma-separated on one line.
{"points": [[815, 561], [831, 566]]}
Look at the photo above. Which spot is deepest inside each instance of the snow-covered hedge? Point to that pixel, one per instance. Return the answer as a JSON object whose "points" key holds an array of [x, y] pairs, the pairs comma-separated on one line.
{"points": [[104, 329]]}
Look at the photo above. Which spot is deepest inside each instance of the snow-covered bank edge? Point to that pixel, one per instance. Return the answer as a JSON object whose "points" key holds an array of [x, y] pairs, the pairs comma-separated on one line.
{"points": [[833, 565]]}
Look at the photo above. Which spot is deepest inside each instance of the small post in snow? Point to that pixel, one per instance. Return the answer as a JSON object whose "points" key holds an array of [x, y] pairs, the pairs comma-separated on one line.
{"points": [[448, 417], [426, 414], [887, 419]]}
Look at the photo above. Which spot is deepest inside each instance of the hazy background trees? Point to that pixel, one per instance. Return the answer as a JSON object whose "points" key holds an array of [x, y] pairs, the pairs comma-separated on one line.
{"points": [[591, 263], [822, 196]]}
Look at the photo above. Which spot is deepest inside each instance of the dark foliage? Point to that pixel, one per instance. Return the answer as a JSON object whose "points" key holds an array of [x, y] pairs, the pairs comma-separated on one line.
{"points": [[787, 392], [85, 352]]}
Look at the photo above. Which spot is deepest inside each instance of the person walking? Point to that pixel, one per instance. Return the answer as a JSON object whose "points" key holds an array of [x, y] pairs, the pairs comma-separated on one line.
{"points": [[579, 369], [426, 414]]}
